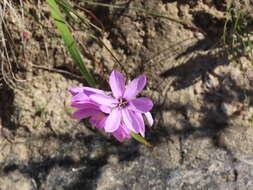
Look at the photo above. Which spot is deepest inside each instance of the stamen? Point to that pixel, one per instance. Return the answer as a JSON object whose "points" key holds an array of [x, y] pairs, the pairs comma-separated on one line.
{"points": [[122, 102]]}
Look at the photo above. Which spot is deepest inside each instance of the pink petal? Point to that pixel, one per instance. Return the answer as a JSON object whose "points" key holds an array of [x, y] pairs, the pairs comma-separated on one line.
{"points": [[80, 97], [149, 119], [89, 91], [141, 105], [103, 99], [101, 124], [98, 120], [126, 130], [130, 120], [118, 134], [84, 113], [121, 133], [75, 90], [105, 109], [135, 87], [94, 120], [86, 90], [141, 124], [81, 100], [84, 104], [113, 121], [117, 84]]}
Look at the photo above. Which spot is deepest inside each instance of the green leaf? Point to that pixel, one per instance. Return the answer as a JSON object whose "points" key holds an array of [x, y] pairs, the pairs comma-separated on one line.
{"points": [[69, 41], [141, 139]]}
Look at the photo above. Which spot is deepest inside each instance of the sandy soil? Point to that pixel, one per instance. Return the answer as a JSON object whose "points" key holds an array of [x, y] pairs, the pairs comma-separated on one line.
{"points": [[203, 133]]}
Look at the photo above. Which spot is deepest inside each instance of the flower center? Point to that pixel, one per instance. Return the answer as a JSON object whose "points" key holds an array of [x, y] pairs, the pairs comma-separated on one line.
{"points": [[122, 102]]}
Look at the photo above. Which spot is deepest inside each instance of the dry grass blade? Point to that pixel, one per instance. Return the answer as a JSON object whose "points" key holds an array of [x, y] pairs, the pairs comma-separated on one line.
{"points": [[7, 53]]}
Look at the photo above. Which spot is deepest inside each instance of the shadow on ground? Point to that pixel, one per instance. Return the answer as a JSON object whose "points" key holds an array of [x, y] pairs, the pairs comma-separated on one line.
{"points": [[61, 171]]}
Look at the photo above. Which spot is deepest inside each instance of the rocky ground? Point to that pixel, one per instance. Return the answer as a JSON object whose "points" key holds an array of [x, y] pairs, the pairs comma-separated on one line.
{"points": [[203, 132]]}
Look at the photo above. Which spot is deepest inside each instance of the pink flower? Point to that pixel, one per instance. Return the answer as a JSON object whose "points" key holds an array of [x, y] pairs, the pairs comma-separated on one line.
{"points": [[124, 107], [119, 114]]}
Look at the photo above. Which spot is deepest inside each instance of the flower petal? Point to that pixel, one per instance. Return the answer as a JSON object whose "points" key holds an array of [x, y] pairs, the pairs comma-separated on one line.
{"points": [[118, 134], [105, 109], [141, 105], [135, 87], [80, 97], [84, 113], [130, 120], [126, 130], [113, 121], [81, 100], [149, 119], [86, 90], [94, 120], [141, 124], [98, 120], [89, 91], [75, 90], [103, 99], [85, 104], [117, 84], [101, 124], [121, 133]]}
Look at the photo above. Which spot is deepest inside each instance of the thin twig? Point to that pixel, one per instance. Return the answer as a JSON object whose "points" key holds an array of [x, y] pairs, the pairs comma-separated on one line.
{"points": [[57, 71]]}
